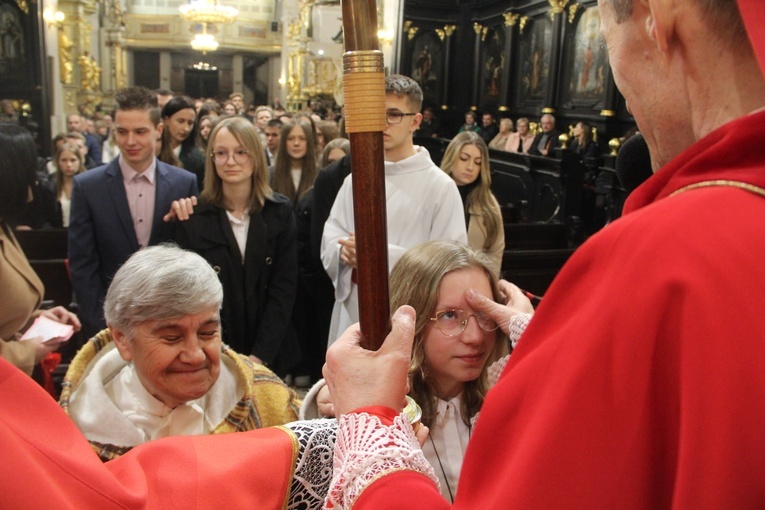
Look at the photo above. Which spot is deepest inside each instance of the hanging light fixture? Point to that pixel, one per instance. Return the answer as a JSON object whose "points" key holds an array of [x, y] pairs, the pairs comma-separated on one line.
{"points": [[207, 11], [204, 42]]}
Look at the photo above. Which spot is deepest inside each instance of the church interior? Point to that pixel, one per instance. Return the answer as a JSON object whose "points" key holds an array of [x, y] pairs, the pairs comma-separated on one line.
{"points": [[517, 59]]}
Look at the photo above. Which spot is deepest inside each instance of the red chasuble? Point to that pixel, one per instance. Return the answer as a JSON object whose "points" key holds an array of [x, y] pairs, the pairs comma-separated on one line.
{"points": [[640, 383], [45, 462]]}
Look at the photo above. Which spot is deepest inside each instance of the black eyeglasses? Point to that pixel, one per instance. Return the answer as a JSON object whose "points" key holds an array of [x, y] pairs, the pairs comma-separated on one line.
{"points": [[395, 116], [453, 322]]}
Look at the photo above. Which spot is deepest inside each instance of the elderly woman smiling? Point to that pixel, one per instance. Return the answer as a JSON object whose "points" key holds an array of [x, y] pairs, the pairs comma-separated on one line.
{"points": [[160, 368]]}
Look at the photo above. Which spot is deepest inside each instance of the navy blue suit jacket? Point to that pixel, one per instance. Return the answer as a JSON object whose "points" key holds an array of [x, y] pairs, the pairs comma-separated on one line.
{"points": [[101, 232]]}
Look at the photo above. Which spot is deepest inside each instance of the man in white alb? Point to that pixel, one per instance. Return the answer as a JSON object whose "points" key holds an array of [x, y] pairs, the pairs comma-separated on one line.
{"points": [[422, 202]]}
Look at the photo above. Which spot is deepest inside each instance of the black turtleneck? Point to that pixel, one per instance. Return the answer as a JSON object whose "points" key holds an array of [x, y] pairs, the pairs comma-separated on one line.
{"points": [[464, 192]]}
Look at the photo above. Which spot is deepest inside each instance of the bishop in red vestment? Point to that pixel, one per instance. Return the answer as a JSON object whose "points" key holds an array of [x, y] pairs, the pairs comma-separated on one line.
{"points": [[640, 382]]}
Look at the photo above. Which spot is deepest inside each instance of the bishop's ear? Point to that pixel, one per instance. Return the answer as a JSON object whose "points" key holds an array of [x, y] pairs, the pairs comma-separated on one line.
{"points": [[660, 21]]}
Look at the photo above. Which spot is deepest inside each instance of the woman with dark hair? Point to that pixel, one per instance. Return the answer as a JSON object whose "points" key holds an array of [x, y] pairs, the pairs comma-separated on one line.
{"points": [[466, 160], [22, 290], [295, 168], [179, 137], [247, 232], [583, 142], [293, 175], [335, 150], [326, 131], [206, 124]]}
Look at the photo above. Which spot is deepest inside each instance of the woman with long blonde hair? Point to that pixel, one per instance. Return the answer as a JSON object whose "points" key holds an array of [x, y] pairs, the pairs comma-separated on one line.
{"points": [[458, 352], [247, 232], [466, 160]]}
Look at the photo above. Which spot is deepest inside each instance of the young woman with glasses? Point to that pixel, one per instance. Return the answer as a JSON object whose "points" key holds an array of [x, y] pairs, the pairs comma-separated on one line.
{"points": [[246, 231], [457, 353]]}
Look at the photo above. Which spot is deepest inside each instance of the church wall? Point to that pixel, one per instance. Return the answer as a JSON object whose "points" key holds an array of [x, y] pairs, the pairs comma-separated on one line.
{"points": [[513, 59]]}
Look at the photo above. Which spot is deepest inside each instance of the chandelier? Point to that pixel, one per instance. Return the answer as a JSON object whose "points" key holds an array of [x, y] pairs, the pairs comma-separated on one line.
{"points": [[204, 42], [207, 11]]}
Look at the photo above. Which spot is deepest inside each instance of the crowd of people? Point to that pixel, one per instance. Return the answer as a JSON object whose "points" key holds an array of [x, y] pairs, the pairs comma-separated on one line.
{"points": [[631, 386], [501, 134], [245, 202]]}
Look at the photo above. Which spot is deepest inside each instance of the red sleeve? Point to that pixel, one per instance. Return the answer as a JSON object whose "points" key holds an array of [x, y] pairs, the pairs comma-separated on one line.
{"points": [[47, 463], [402, 490], [386, 414]]}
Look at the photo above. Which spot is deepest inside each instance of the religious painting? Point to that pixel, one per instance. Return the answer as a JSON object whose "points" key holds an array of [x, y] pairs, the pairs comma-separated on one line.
{"points": [[427, 66], [155, 28], [493, 58], [589, 62], [535, 51], [12, 51]]}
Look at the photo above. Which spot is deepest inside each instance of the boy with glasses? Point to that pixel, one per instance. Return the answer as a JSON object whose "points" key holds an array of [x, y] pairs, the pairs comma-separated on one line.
{"points": [[421, 204]]}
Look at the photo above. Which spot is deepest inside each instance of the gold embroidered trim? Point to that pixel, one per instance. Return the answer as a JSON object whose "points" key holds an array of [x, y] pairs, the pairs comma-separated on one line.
{"points": [[295, 452], [721, 183]]}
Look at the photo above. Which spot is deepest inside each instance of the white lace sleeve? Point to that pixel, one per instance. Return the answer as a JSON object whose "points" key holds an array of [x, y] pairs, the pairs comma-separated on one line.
{"points": [[518, 325], [313, 470], [366, 450]]}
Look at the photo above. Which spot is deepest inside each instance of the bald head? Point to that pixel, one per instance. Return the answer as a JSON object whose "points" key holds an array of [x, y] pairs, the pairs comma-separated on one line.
{"points": [[74, 123]]}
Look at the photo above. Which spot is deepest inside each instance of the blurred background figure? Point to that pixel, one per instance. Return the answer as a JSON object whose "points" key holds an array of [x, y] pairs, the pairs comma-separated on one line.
{"points": [[22, 290], [505, 130], [466, 160]]}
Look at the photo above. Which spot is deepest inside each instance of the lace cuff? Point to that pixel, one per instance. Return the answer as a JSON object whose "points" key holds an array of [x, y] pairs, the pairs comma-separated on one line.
{"points": [[496, 369], [366, 450], [313, 470], [517, 326]]}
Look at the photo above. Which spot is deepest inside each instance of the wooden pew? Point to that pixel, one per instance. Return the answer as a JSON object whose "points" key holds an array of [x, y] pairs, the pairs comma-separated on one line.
{"points": [[46, 251], [535, 236], [550, 189], [534, 270]]}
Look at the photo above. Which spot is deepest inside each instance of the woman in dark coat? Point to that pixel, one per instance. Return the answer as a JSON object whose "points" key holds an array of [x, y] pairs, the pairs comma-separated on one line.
{"points": [[246, 232], [179, 137]]}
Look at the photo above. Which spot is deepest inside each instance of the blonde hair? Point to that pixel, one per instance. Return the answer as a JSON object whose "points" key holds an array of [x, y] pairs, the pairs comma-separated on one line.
{"points": [[481, 195], [247, 135], [416, 280], [59, 174]]}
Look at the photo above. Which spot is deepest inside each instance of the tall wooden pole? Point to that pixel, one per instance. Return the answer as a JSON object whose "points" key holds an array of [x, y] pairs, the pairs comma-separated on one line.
{"points": [[364, 91]]}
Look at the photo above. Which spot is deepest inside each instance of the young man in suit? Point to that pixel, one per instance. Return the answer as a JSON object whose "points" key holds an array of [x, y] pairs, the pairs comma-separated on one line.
{"points": [[123, 206]]}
